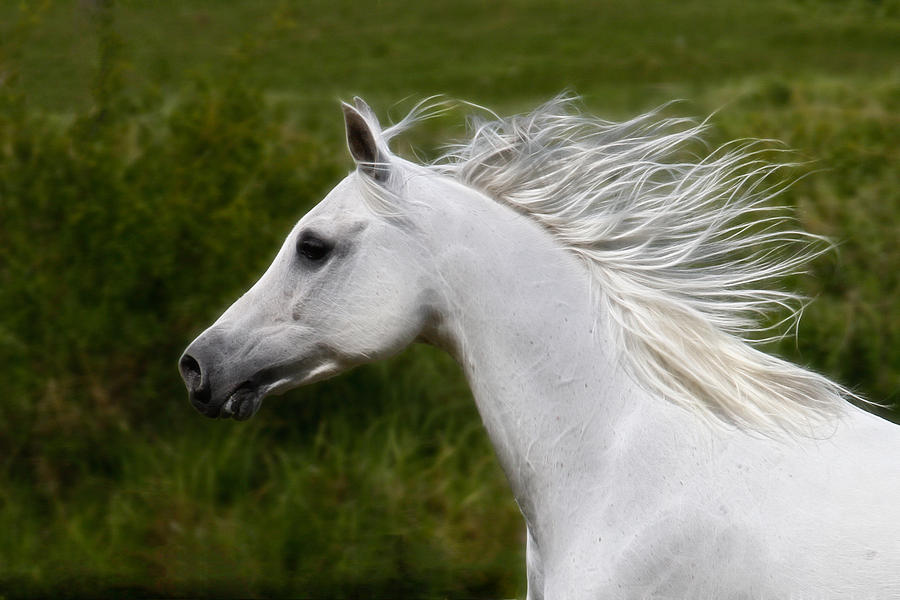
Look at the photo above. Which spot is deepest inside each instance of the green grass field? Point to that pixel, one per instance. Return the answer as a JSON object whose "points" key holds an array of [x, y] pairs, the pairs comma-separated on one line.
{"points": [[154, 155]]}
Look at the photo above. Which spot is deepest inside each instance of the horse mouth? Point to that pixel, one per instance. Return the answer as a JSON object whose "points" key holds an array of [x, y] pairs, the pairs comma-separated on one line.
{"points": [[242, 403]]}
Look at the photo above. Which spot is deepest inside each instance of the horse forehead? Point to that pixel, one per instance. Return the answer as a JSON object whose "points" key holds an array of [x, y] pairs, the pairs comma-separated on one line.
{"points": [[344, 199]]}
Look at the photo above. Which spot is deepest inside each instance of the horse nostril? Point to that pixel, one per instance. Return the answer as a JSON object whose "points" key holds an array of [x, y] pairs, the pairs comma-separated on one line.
{"points": [[193, 378], [190, 371]]}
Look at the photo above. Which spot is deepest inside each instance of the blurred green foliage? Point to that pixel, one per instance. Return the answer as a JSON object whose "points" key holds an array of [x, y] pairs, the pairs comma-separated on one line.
{"points": [[153, 157]]}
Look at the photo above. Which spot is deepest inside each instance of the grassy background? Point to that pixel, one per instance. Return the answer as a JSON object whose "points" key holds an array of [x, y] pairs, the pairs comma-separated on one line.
{"points": [[154, 155]]}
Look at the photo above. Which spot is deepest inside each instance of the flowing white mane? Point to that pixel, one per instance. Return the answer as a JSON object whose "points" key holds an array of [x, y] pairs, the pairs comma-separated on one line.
{"points": [[683, 250]]}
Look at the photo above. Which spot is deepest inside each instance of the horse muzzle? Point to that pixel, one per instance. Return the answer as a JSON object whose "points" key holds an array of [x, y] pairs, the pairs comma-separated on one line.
{"points": [[240, 401]]}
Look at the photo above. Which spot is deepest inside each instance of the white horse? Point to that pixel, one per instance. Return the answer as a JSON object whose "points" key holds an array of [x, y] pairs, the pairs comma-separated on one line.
{"points": [[596, 282]]}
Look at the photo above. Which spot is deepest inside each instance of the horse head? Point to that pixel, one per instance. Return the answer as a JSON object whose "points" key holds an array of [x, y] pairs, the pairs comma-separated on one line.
{"points": [[346, 287]]}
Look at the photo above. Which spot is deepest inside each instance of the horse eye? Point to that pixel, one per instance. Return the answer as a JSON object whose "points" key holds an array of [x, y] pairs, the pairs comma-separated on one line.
{"points": [[313, 247]]}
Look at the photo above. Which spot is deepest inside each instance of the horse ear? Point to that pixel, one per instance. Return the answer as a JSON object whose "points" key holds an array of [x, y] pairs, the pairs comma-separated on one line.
{"points": [[363, 145], [366, 111]]}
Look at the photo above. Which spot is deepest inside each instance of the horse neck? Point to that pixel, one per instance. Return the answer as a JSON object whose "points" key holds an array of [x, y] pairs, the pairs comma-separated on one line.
{"points": [[516, 313]]}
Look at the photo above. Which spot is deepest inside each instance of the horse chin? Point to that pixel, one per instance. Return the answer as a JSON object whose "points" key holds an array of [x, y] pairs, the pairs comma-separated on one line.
{"points": [[246, 399], [242, 403]]}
